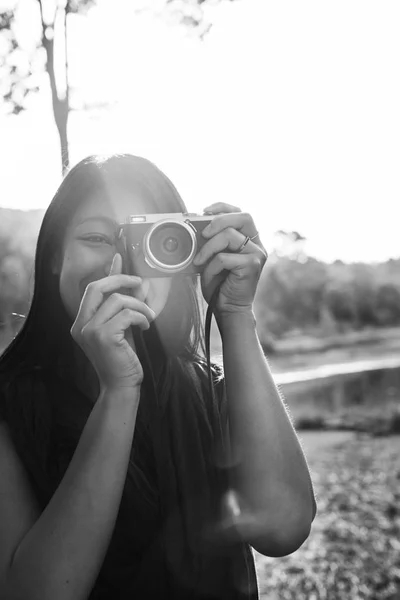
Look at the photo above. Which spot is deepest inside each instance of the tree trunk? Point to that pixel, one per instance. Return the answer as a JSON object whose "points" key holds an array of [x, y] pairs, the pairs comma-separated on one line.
{"points": [[60, 105], [60, 109]]}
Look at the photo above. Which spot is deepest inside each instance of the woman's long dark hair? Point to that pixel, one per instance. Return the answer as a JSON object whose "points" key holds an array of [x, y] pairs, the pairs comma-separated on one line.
{"points": [[45, 325], [45, 414]]}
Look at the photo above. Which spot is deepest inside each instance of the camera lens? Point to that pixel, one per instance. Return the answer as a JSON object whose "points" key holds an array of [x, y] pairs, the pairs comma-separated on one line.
{"points": [[171, 244]]}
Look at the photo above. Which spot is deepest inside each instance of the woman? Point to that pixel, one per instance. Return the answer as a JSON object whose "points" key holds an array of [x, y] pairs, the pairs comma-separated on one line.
{"points": [[122, 478]]}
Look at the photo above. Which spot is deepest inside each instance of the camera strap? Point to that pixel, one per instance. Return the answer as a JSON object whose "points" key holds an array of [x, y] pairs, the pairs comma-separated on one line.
{"points": [[209, 314]]}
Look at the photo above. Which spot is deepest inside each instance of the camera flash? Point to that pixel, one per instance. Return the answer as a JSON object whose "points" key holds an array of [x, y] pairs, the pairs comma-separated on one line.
{"points": [[138, 219]]}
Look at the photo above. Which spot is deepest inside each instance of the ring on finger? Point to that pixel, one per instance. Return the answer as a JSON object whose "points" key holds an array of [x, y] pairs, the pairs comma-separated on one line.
{"points": [[247, 239]]}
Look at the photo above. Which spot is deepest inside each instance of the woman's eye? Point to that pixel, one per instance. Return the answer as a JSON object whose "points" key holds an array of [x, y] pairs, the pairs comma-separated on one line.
{"points": [[99, 239]]}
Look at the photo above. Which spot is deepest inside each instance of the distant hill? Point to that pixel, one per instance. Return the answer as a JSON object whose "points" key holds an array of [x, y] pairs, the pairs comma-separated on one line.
{"points": [[19, 230]]}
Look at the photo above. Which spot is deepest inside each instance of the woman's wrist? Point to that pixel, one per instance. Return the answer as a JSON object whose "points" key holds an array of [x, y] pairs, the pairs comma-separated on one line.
{"points": [[120, 394], [240, 317]]}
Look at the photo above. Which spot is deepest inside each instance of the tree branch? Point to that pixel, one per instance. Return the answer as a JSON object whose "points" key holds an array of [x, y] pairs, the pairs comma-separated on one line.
{"points": [[66, 65]]}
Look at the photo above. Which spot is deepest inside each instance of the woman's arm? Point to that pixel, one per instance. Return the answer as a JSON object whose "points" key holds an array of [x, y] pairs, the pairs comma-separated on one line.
{"points": [[271, 478], [61, 554]]}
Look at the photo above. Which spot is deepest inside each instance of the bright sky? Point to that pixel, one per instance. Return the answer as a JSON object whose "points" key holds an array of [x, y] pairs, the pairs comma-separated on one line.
{"points": [[289, 110]]}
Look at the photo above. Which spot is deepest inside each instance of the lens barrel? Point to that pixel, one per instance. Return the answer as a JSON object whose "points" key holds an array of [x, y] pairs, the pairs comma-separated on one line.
{"points": [[170, 245]]}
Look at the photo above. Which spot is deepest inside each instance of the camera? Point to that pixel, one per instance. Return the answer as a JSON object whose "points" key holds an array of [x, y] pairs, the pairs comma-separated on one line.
{"points": [[158, 245]]}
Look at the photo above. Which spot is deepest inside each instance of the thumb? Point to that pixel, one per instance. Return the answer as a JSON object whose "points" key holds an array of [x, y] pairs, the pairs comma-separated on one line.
{"points": [[116, 269], [116, 265]]}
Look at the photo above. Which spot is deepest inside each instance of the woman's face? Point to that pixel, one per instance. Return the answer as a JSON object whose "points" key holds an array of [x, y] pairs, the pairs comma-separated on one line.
{"points": [[89, 248]]}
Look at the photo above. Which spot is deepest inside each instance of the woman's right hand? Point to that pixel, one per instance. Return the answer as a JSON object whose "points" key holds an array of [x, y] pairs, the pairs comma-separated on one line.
{"points": [[102, 328]]}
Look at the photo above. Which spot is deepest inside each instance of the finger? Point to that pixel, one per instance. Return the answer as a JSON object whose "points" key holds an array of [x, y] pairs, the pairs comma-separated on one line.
{"points": [[240, 221], [243, 265], [97, 290], [228, 239], [143, 290], [116, 265], [129, 318], [117, 327], [117, 303], [219, 207], [116, 268]]}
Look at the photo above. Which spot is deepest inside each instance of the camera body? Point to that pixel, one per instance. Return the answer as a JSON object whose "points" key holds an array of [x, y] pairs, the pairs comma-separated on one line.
{"points": [[163, 244]]}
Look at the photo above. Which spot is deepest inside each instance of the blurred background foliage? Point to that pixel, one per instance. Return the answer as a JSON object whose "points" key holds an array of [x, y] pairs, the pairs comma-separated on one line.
{"points": [[300, 294]]}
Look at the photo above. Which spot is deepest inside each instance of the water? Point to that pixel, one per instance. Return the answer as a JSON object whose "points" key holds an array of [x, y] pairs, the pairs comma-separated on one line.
{"points": [[342, 387]]}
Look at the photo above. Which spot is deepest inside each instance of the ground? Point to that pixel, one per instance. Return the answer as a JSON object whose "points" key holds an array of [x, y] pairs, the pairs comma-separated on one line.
{"points": [[353, 551]]}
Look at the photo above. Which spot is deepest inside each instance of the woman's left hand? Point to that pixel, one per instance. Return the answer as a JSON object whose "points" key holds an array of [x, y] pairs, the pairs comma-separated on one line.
{"points": [[226, 261]]}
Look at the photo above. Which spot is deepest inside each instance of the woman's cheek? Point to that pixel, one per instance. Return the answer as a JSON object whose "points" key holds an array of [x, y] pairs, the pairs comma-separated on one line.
{"points": [[70, 293], [77, 271]]}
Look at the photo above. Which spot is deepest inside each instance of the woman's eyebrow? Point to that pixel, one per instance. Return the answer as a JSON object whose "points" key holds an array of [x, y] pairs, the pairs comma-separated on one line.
{"points": [[107, 220]]}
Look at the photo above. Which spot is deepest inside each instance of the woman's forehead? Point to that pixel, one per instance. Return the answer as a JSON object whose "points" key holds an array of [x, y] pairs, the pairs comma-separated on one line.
{"points": [[116, 204]]}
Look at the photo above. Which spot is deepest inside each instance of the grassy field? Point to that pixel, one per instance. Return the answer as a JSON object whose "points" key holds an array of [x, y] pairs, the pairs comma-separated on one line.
{"points": [[353, 551]]}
